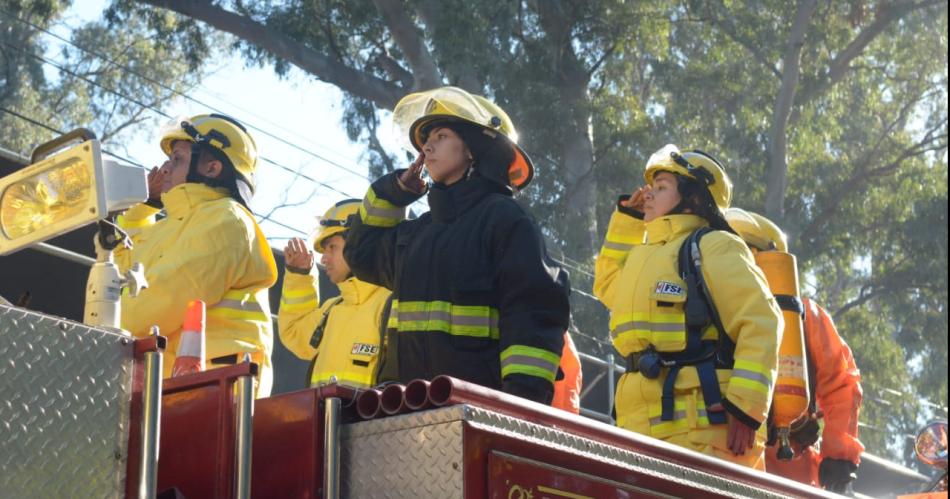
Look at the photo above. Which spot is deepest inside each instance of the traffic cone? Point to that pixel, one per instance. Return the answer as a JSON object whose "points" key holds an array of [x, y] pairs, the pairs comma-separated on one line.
{"points": [[190, 357]]}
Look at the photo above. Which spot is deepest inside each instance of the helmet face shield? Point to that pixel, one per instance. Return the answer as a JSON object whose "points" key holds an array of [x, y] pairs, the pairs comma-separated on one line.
{"points": [[416, 113]]}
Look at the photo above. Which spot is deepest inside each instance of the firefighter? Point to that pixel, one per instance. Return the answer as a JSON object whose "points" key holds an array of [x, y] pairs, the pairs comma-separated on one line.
{"points": [[700, 371], [341, 336], [475, 295], [208, 246], [834, 382]]}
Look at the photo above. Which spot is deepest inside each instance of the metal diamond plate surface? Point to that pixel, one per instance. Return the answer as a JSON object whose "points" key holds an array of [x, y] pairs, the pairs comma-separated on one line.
{"points": [[416, 456], [65, 391]]}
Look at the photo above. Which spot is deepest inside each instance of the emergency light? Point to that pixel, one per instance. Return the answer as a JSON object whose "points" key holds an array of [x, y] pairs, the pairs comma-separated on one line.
{"points": [[66, 186]]}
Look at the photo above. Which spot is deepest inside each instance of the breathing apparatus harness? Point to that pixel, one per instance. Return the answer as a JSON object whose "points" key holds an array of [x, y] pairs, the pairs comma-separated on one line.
{"points": [[706, 356]]}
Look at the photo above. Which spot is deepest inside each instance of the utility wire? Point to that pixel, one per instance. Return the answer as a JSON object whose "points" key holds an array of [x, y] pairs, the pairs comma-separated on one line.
{"points": [[179, 93], [164, 114]]}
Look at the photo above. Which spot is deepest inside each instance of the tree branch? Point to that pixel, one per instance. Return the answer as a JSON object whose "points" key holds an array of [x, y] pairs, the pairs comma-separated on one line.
{"points": [[778, 134], [404, 31], [728, 26], [840, 65], [383, 93]]}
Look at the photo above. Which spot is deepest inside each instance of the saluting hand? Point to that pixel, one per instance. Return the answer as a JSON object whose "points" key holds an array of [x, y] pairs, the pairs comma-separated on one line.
{"points": [[298, 255], [155, 178], [636, 200], [411, 179]]}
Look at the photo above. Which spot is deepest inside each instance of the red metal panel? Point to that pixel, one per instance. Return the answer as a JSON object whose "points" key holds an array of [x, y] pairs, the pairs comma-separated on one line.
{"points": [[288, 442], [196, 447], [514, 478], [481, 445]]}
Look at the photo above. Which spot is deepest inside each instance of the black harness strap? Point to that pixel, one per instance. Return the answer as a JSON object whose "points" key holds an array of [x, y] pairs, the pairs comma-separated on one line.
{"points": [[706, 356]]}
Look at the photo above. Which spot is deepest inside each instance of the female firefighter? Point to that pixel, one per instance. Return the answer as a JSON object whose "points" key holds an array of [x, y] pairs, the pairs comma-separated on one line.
{"points": [[475, 295], [695, 377], [207, 248]]}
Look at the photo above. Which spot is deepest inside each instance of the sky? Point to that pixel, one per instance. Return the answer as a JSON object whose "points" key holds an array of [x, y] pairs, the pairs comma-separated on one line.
{"points": [[296, 122]]}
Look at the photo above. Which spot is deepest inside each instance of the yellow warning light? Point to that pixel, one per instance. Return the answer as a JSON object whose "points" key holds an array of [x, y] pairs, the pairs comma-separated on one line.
{"points": [[64, 189]]}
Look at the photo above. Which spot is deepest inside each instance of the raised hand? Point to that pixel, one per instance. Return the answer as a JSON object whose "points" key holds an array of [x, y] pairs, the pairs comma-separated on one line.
{"points": [[298, 255]]}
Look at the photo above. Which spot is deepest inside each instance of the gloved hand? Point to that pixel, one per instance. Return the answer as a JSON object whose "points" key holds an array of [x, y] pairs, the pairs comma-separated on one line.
{"points": [[529, 387], [806, 432], [836, 474]]}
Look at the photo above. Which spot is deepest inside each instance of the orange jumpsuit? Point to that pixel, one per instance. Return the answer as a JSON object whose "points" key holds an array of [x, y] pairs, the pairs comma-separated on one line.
{"points": [[837, 391], [567, 391]]}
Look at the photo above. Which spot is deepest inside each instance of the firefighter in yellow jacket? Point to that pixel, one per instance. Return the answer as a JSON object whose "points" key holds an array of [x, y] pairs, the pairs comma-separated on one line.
{"points": [[208, 246], [341, 336], [686, 382]]}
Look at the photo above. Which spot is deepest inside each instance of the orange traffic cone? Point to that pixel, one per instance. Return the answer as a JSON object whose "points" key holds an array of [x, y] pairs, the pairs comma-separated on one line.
{"points": [[190, 357]]}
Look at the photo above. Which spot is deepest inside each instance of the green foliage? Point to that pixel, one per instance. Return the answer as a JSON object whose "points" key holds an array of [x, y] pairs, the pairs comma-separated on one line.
{"points": [[93, 84]]}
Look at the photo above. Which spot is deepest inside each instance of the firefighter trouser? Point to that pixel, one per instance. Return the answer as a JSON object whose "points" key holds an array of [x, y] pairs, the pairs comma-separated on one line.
{"points": [[639, 407]]}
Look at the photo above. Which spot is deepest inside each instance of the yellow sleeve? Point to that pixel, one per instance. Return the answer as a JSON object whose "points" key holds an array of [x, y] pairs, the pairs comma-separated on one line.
{"points": [[213, 255], [623, 233], [751, 317], [134, 221], [299, 313]]}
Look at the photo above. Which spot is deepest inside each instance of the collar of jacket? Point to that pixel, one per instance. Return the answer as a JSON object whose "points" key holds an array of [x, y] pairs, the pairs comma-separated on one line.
{"points": [[183, 198], [448, 202], [355, 291], [667, 228]]}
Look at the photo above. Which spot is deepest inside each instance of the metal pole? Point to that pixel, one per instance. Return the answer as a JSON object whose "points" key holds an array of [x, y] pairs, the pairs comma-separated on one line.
{"points": [[151, 415], [331, 449], [610, 383], [65, 254], [243, 429]]}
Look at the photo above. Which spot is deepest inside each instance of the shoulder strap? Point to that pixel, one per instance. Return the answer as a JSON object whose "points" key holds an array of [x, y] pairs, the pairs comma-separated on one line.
{"points": [[700, 309], [317, 335]]}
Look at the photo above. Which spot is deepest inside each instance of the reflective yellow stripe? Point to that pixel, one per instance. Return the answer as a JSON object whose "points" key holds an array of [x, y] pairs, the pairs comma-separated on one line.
{"points": [[682, 418], [522, 359], [239, 305], [654, 328], [298, 300], [751, 375], [458, 320], [378, 212]]}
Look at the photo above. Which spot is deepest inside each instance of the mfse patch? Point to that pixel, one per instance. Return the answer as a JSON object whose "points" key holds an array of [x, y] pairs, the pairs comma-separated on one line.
{"points": [[668, 288], [364, 349]]}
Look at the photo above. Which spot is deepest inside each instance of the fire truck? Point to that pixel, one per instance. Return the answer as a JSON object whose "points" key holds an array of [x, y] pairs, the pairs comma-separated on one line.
{"points": [[84, 412]]}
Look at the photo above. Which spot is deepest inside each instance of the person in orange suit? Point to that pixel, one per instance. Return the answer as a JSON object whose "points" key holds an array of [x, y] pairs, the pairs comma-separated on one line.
{"points": [[836, 397], [834, 379], [567, 390]]}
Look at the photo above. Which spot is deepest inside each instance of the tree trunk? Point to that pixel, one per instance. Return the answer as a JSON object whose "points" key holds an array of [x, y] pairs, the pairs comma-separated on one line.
{"points": [[777, 179]]}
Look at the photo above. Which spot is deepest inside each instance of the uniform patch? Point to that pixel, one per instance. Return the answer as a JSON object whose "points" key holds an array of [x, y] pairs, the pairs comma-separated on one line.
{"points": [[668, 288], [364, 349]]}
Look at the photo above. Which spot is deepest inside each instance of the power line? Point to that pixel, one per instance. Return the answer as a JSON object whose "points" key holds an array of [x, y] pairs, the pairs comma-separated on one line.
{"points": [[177, 92], [164, 114]]}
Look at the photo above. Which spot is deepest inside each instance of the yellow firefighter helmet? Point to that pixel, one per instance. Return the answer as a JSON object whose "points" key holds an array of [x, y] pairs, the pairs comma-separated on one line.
{"points": [[696, 165], [334, 221], [756, 230], [220, 132], [415, 111]]}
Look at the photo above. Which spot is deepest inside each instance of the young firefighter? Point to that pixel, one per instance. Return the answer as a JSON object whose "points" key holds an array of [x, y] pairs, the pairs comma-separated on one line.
{"points": [[834, 379], [341, 336], [208, 247], [475, 294], [688, 383]]}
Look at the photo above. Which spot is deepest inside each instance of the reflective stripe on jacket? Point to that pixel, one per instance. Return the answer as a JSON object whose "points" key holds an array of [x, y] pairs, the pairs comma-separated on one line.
{"points": [[476, 296], [349, 349], [207, 248], [636, 277]]}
